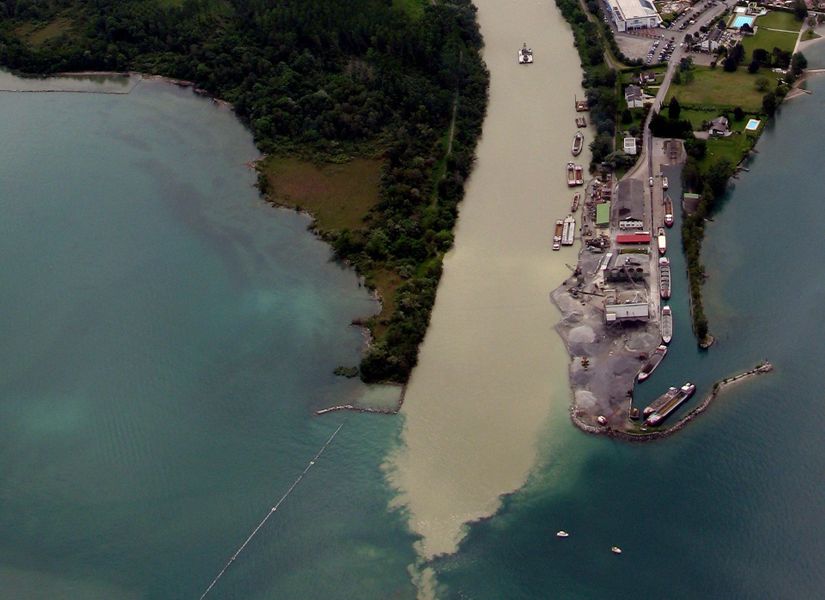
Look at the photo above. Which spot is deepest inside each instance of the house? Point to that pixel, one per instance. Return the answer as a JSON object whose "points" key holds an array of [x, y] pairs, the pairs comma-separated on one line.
{"points": [[712, 40], [634, 97], [628, 15], [646, 78], [629, 146], [719, 126]]}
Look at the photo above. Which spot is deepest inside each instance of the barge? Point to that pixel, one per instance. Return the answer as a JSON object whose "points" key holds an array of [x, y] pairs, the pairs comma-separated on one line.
{"points": [[661, 240], [525, 55], [571, 174], [574, 206], [578, 143], [685, 392], [668, 211], [569, 231], [664, 183], [581, 122], [652, 362], [664, 278], [557, 234], [579, 174], [659, 402], [667, 324]]}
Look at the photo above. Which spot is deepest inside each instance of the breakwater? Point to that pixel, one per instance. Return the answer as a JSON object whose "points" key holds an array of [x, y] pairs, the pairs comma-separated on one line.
{"points": [[647, 436]]}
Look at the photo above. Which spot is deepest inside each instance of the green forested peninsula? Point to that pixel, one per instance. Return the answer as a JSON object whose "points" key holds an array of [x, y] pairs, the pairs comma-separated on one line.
{"points": [[400, 81]]}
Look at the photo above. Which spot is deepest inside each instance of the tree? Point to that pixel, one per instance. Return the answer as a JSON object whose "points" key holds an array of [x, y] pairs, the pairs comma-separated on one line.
{"points": [[717, 176], [673, 109], [762, 84], [761, 56], [769, 103], [753, 67], [746, 28], [730, 64], [800, 10], [627, 117], [601, 147], [738, 113], [677, 78], [798, 64]]}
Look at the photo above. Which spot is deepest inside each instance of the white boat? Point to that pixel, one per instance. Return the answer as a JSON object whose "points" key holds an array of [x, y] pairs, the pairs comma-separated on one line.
{"points": [[569, 231], [661, 240], [615, 550], [525, 55], [664, 183], [667, 324], [562, 533]]}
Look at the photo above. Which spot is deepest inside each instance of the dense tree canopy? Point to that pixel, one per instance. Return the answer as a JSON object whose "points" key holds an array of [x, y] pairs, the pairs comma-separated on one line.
{"points": [[330, 77]]}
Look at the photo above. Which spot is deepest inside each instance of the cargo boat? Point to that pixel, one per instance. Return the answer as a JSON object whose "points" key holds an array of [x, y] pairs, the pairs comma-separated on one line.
{"points": [[667, 324], [557, 234], [581, 122], [571, 174], [661, 240], [685, 392], [659, 402], [579, 175], [578, 143], [576, 199], [664, 183], [525, 55], [668, 211], [569, 231], [652, 362], [664, 278]]}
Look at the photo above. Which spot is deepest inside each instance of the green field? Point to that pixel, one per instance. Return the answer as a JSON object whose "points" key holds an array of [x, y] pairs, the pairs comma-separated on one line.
{"points": [[414, 8], [718, 88], [732, 148], [766, 36], [779, 20]]}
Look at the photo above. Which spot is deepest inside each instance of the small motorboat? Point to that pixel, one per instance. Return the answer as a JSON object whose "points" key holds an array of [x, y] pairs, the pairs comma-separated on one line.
{"points": [[562, 533], [616, 550], [525, 55]]}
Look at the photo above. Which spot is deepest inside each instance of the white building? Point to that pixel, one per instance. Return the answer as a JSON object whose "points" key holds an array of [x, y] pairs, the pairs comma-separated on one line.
{"points": [[633, 14], [628, 311], [629, 146]]}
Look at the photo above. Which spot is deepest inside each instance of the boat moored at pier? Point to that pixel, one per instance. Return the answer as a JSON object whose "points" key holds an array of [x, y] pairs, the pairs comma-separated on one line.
{"points": [[574, 206], [578, 143], [525, 55], [579, 174], [571, 174], [581, 122], [664, 182], [659, 402], [557, 234], [668, 211], [569, 231], [652, 362], [661, 413], [661, 240], [667, 324], [664, 278]]}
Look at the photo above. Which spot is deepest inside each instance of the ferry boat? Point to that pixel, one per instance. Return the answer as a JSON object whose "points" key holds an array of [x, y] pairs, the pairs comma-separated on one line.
{"points": [[661, 240], [664, 278], [581, 122], [667, 324], [664, 183], [578, 143], [571, 174], [569, 231], [653, 362], [562, 533], [659, 402], [525, 55], [576, 199], [557, 234], [685, 392], [579, 174], [668, 211]]}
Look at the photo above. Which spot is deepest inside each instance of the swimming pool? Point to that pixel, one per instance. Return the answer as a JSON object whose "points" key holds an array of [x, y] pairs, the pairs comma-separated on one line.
{"points": [[740, 20], [753, 125]]}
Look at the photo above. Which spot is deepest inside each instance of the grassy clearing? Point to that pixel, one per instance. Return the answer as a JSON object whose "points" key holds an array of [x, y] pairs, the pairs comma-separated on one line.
{"points": [[718, 88], [768, 40], [36, 34], [732, 148], [386, 282], [339, 196], [779, 20], [810, 34]]}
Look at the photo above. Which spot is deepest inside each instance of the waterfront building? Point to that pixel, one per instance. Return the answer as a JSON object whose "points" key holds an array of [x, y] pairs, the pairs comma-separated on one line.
{"points": [[628, 15], [634, 96]]}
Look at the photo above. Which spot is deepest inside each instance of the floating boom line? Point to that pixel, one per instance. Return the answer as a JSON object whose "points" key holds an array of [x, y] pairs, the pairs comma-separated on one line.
{"points": [[271, 512]]}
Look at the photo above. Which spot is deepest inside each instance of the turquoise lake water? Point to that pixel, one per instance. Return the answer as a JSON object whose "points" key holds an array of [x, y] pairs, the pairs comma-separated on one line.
{"points": [[167, 336]]}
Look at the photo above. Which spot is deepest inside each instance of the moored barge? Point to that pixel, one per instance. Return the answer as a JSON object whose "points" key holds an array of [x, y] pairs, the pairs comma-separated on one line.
{"points": [[578, 143], [668, 211], [664, 278], [652, 362], [685, 392]]}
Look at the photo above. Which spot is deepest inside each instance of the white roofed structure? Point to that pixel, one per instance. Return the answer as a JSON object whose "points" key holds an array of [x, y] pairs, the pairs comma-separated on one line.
{"points": [[633, 14]]}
